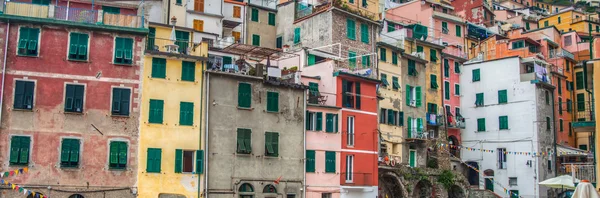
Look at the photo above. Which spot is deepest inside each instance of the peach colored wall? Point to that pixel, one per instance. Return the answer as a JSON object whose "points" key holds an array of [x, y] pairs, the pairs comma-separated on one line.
{"points": [[451, 37], [412, 11]]}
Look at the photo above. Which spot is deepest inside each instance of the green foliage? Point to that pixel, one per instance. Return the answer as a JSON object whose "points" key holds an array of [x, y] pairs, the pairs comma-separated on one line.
{"points": [[432, 163], [446, 179]]}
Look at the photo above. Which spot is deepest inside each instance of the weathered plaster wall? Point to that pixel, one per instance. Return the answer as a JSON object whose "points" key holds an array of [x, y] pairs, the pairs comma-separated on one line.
{"points": [[262, 28], [392, 100], [339, 35], [414, 112]]}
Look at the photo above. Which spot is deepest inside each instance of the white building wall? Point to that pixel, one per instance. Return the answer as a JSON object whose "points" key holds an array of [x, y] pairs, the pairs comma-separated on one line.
{"points": [[358, 192], [521, 135], [211, 16], [228, 15]]}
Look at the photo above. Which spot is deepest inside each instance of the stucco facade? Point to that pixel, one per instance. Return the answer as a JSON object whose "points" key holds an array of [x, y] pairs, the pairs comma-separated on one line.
{"points": [[391, 124], [263, 29]]}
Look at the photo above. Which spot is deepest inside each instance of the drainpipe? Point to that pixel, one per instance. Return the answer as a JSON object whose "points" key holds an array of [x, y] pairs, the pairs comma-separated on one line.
{"points": [[304, 179], [207, 79], [555, 136], [200, 135], [4, 69]]}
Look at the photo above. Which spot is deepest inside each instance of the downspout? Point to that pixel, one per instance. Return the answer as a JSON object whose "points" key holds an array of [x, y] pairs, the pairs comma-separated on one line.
{"points": [[169, 12], [207, 79], [4, 69], [303, 126], [200, 135], [555, 136]]}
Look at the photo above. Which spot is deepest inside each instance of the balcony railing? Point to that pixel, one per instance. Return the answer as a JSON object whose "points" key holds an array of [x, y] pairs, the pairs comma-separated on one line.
{"points": [[75, 15], [582, 171], [455, 52], [434, 120], [453, 17], [557, 69], [586, 18], [357, 179], [420, 134], [584, 111], [175, 47], [304, 9], [456, 122]]}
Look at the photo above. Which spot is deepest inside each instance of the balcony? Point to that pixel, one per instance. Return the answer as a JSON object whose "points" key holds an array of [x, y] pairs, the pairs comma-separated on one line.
{"points": [[457, 122], [455, 52], [395, 38], [357, 179], [585, 18], [449, 16], [585, 120], [434, 120], [557, 70], [304, 9], [580, 170], [167, 47], [70, 16]]}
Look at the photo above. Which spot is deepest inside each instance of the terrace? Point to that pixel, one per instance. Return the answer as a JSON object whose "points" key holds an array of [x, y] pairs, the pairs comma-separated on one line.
{"points": [[71, 16], [179, 48]]}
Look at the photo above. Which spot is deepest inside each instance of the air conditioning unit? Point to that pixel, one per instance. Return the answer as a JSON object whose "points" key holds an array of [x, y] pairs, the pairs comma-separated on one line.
{"points": [[413, 103]]}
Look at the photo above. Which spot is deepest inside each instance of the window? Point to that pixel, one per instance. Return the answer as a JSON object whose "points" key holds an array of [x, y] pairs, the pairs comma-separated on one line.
{"points": [[24, 95], [364, 3], [159, 67], [432, 108], [153, 160], [434, 84], [458, 31], [391, 117], [527, 27], [69, 155], [199, 25], [28, 41], [237, 12], [568, 42], [476, 75], [547, 97], [272, 101], [351, 94], [481, 124], [479, 101], [444, 27], [326, 195], [546, 24], [271, 144], [19, 150], [199, 5], [579, 80], [351, 29], [78, 46], [503, 120], [188, 71], [413, 96], [560, 125], [244, 95], [548, 123], [567, 66], [560, 105], [310, 161], [382, 54], [559, 87], [279, 42], [366, 61], [558, 19], [502, 96], [569, 105], [400, 118], [254, 15], [331, 123], [330, 161], [512, 181], [186, 113], [123, 51], [580, 102], [433, 55], [256, 40], [120, 101], [382, 116], [457, 89], [446, 68], [74, 98], [350, 133], [311, 120], [419, 48], [412, 69], [271, 18], [364, 33], [115, 10], [501, 158], [349, 168], [244, 143], [518, 44], [395, 84], [384, 81], [296, 35], [583, 147], [394, 58], [155, 114], [447, 90], [118, 155]]}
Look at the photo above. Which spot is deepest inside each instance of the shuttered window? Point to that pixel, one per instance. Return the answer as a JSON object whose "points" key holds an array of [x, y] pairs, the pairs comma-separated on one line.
{"points": [[24, 95], [419, 101], [456, 67], [331, 123], [156, 111], [444, 27], [503, 120], [78, 46], [412, 68], [272, 101], [352, 59], [382, 54], [366, 62], [296, 35], [151, 40], [118, 155], [479, 99], [254, 15], [446, 68], [74, 98], [395, 84], [400, 118], [319, 118], [364, 33], [351, 29], [244, 95], [433, 55], [279, 42], [28, 41], [256, 40], [186, 113], [159, 67], [384, 81], [548, 123], [69, 155], [182, 40], [457, 89], [502, 96], [481, 124], [271, 144], [476, 75], [579, 81], [310, 161], [153, 160], [19, 150], [199, 161], [330, 161], [121, 101], [447, 90], [123, 51], [244, 141], [271, 18], [458, 31], [188, 71], [394, 58]]}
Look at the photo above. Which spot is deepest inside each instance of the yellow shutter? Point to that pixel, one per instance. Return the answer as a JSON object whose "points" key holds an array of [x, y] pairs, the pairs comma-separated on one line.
{"points": [[236, 35], [237, 12], [199, 25], [199, 5]]}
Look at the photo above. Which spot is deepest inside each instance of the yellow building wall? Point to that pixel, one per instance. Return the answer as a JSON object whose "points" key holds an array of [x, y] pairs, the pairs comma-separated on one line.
{"points": [[392, 99], [169, 136], [580, 137], [565, 21], [596, 86], [371, 10]]}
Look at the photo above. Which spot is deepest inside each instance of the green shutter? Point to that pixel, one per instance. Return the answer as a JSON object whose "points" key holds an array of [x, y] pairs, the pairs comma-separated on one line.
{"points": [[269, 151], [69, 156], [244, 95], [350, 29], [395, 84], [419, 48], [151, 40], [352, 59], [254, 16], [28, 41], [364, 33], [188, 71], [409, 127], [153, 161], [256, 40], [297, 35], [319, 121], [559, 86], [458, 31], [481, 124], [581, 102], [418, 93], [241, 148], [275, 143], [457, 89], [178, 160], [366, 61], [527, 26], [329, 122], [400, 118], [123, 154], [390, 116], [419, 124], [433, 55], [394, 58], [447, 90], [311, 59], [271, 18], [330, 161], [502, 96], [272, 101], [307, 120], [476, 75], [186, 113], [344, 95], [123, 51], [456, 67], [446, 68], [156, 111], [479, 100], [579, 84], [114, 154], [310, 161], [503, 120], [199, 161], [248, 140], [444, 27], [548, 123], [159, 67], [384, 81], [335, 122], [382, 54], [407, 91], [358, 96], [382, 116], [120, 101]]}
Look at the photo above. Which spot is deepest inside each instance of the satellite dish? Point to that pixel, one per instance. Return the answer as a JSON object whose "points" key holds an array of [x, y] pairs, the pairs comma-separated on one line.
{"points": [[422, 2]]}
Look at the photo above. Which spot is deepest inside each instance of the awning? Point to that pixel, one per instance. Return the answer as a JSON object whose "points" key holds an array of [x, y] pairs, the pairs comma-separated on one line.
{"points": [[566, 151]]}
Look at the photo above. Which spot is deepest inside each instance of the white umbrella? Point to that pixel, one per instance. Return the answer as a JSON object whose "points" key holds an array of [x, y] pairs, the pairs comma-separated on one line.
{"points": [[563, 181], [173, 37], [585, 190]]}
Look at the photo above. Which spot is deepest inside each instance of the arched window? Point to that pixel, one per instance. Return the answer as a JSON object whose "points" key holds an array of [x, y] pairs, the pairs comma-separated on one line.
{"points": [[246, 188], [76, 196], [269, 189]]}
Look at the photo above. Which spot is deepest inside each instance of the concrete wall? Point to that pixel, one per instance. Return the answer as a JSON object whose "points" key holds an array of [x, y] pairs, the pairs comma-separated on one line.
{"points": [[228, 170], [47, 124], [262, 28]]}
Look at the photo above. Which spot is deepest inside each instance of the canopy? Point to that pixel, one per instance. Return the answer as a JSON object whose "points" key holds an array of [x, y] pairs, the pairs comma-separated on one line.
{"points": [[585, 190], [564, 181], [566, 151]]}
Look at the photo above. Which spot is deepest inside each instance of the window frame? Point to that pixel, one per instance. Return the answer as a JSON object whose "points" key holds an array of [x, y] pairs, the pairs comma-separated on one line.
{"points": [[38, 39], [24, 95], [87, 53], [129, 108], [124, 53], [29, 153], [110, 165], [83, 99], [79, 153]]}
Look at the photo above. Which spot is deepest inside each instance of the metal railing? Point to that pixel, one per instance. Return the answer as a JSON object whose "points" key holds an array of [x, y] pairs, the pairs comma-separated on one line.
{"points": [[171, 46], [357, 179], [580, 171], [455, 52], [586, 18], [75, 14], [584, 111]]}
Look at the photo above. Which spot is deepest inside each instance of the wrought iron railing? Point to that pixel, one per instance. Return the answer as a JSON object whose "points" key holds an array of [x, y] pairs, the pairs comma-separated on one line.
{"points": [[581, 171], [584, 111], [173, 46], [75, 14]]}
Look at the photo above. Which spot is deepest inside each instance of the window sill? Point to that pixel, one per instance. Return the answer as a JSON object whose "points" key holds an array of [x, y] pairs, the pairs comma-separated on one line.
{"points": [[120, 116], [273, 112], [19, 165], [28, 56], [189, 81], [151, 123], [24, 110], [245, 108], [179, 4], [185, 125], [272, 157], [70, 168], [73, 113], [117, 169], [81, 61], [123, 64], [243, 154], [154, 172], [480, 131], [157, 78]]}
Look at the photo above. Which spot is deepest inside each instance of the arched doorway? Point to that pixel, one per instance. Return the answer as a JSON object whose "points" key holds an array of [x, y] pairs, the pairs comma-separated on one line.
{"points": [[488, 175], [390, 186], [456, 192], [453, 142], [76, 196], [423, 189], [472, 174]]}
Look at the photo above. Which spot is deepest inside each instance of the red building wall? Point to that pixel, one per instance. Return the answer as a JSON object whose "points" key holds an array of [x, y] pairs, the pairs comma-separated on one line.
{"points": [[47, 123]]}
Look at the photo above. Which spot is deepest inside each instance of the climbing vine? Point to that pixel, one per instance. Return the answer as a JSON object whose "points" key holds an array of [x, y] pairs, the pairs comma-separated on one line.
{"points": [[446, 178]]}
